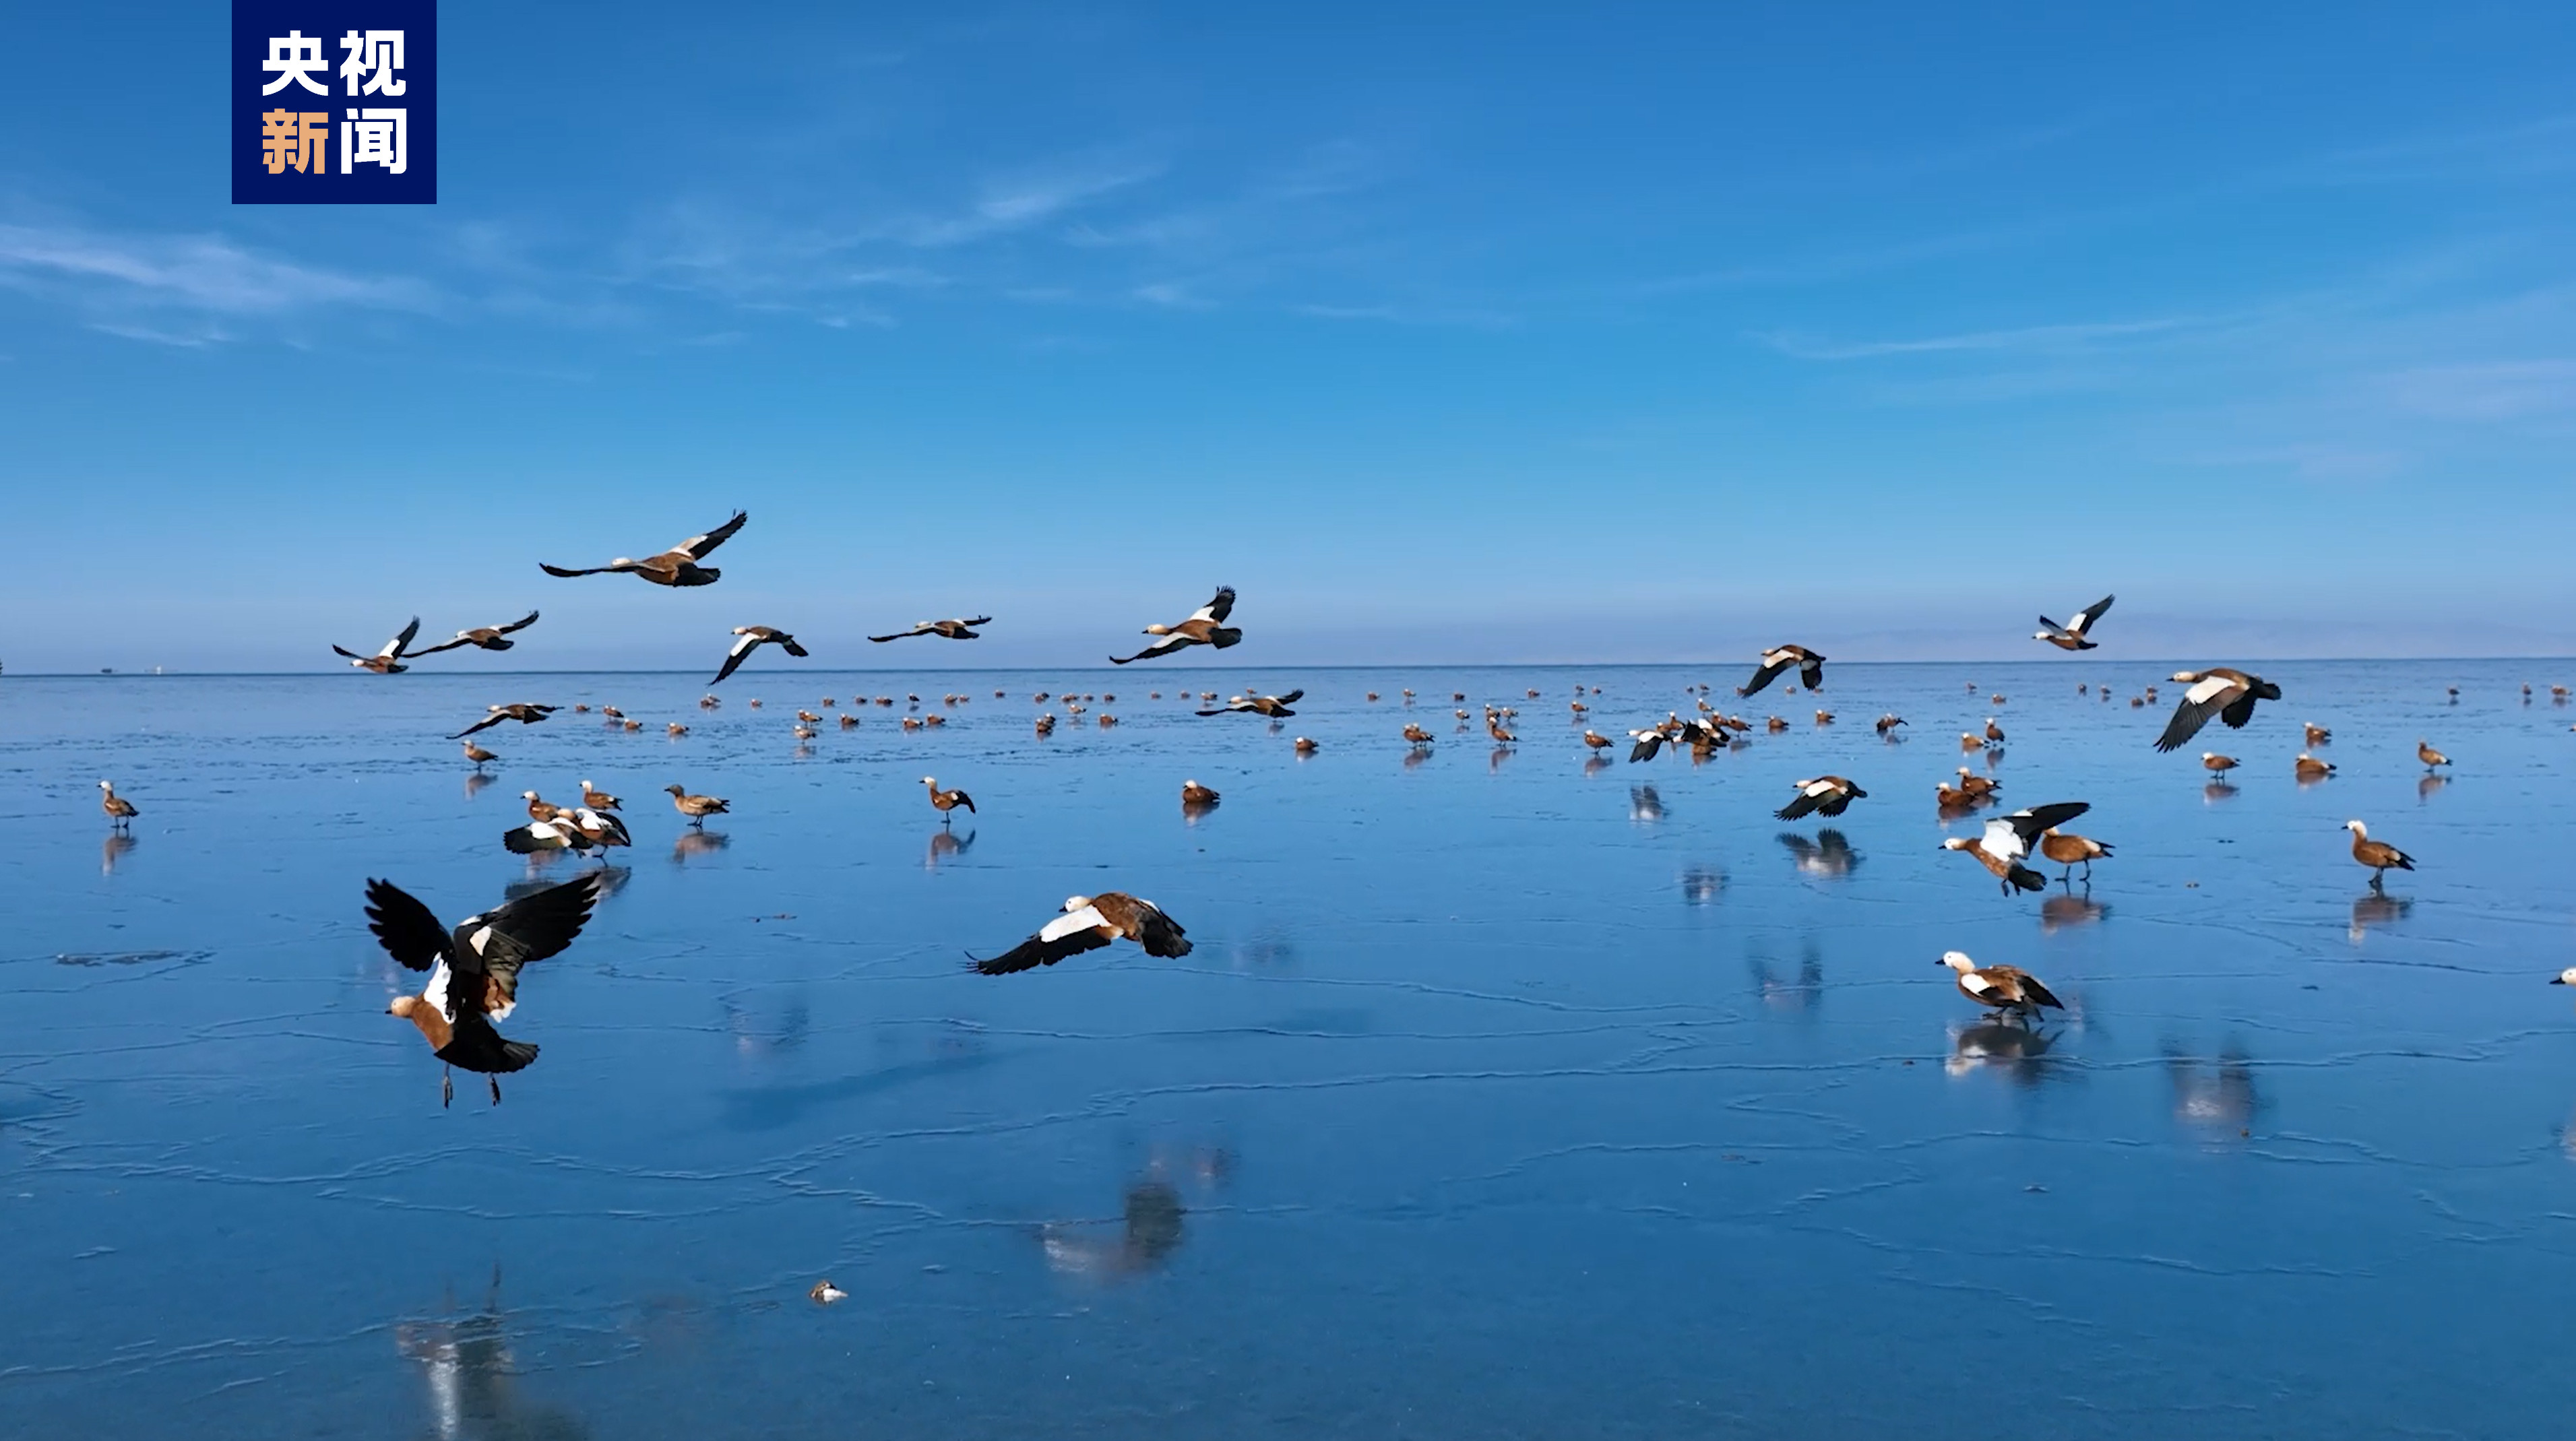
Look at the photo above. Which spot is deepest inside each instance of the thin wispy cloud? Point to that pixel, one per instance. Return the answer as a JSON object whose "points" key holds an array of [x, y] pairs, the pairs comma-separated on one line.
{"points": [[2031, 339], [2494, 391], [2544, 146], [1171, 295], [1022, 201], [1407, 315], [2310, 461], [1847, 264], [174, 289]]}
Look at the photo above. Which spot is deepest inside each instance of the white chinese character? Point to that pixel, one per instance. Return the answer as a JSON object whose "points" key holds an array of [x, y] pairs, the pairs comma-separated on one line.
{"points": [[376, 137], [293, 55], [375, 55]]}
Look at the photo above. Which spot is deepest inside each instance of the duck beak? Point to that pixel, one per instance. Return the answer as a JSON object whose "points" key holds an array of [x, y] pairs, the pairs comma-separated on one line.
{"points": [[2557, 980]]}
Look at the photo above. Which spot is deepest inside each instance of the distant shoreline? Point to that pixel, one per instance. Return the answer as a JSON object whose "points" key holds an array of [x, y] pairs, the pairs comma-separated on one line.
{"points": [[2167, 663]]}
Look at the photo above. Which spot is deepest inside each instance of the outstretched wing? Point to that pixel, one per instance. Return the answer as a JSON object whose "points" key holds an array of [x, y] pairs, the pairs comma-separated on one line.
{"points": [[697, 546], [901, 634], [2026, 825], [527, 930], [1163, 645], [788, 644], [978, 620], [535, 836], [733, 658], [396, 646], [484, 724], [1291, 698], [1647, 744], [343, 650], [1067, 935], [517, 625], [2084, 618], [2239, 711], [1799, 809], [443, 645], [1811, 672], [404, 927], [567, 574], [1216, 609], [2206, 698], [537, 927], [1762, 678]]}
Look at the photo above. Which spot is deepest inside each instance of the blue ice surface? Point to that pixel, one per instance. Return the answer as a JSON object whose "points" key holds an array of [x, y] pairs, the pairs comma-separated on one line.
{"points": [[1505, 1095]]}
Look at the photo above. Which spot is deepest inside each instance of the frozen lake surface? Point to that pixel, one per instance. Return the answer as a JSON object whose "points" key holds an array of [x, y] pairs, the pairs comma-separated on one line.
{"points": [[1504, 1095]]}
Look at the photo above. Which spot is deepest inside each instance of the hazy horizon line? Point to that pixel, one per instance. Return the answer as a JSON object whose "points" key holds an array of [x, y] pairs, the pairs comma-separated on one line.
{"points": [[160, 674]]}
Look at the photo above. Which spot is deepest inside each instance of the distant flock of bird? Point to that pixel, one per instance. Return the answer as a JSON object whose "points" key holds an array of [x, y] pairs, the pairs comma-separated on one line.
{"points": [[473, 967]]}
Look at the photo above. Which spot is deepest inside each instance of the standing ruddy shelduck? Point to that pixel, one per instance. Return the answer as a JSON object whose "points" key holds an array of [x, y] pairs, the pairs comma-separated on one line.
{"points": [[1274, 706], [2074, 635], [2431, 758], [945, 629], [474, 970], [1825, 795], [1809, 665], [677, 566], [1594, 739], [2000, 988], [2317, 735], [2380, 856], [119, 809], [1417, 735], [752, 638], [1088, 923], [478, 755], [2069, 850], [1977, 787], [2216, 764], [696, 808], [2218, 691], [2008, 839], [946, 801], [538, 809], [387, 661], [1194, 794], [597, 799], [483, 637], [1994, 732], [1303, 746], [1205, 626], [521, 712]]}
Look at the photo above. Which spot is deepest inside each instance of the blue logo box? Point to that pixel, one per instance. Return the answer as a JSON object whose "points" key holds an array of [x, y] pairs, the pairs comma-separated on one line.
{"points": [[335, 102]]}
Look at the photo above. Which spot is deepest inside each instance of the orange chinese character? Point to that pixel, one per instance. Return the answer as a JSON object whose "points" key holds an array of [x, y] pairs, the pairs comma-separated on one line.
{"points": [[288, 137]]}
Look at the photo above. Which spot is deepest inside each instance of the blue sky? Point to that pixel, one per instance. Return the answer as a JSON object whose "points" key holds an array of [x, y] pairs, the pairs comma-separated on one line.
{"points": [[1650, 332]]}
